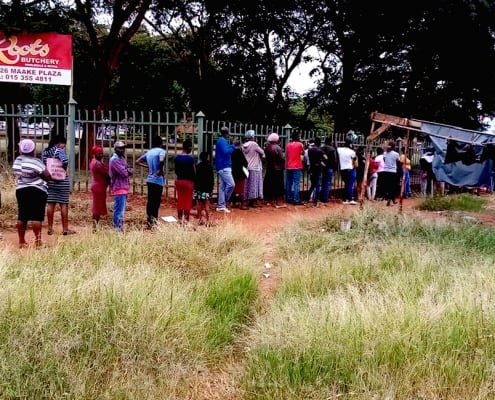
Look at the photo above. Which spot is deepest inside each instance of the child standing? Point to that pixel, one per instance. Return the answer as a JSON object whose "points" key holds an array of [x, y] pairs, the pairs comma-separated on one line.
{"points": [[185, 170], [203, 187]]}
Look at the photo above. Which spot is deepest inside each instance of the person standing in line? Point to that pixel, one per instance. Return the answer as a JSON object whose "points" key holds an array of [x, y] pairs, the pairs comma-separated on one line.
{"points": [[253, 191], [273, 184], [347, 156], [120, 184], [293, 169], [185, 170], [330, 165], [154, 160], [31, 191], [239, 169], [360, 164], [99, 184], [59, 190], [391, 160], [203, 187], [427, 175], [379, 173], [372, 178], [406, 162], [317, 159], [223, 165]]}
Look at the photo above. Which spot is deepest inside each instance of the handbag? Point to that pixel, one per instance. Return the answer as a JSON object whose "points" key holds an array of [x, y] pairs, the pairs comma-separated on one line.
{"points": [[56, 169]]}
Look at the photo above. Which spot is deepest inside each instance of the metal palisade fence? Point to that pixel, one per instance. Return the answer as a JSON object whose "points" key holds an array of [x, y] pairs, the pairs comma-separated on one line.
{"points": [[41, 122]]}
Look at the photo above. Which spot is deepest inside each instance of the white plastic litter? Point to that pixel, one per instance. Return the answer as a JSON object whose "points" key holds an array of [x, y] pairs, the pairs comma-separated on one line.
{"points": [[169, 218]]}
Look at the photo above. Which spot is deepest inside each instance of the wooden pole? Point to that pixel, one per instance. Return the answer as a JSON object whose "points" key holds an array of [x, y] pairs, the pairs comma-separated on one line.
{"points": [[401, 194]]}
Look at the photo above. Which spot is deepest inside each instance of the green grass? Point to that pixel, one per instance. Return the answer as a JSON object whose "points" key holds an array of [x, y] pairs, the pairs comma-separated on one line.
{"points": [[461, 202], [398, 307], [123, 317], [394, 308]]}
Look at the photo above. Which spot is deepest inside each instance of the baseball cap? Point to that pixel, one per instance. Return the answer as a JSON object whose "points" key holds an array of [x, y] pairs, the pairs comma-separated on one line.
{"points": [[119, 144], [26, 146]]}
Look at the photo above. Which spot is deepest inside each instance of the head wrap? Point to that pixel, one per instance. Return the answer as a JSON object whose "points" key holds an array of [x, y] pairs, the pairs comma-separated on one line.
{"points": [[26, 146], [97, 149], [273, 137], [249, 134], [119, 145]]}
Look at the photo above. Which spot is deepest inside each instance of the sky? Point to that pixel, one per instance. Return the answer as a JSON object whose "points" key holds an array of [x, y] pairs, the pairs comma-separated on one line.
{"points": [[300, 80]]}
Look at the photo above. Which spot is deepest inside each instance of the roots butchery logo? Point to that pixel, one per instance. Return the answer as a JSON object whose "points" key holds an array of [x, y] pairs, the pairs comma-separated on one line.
{"points": [[44, 58]]}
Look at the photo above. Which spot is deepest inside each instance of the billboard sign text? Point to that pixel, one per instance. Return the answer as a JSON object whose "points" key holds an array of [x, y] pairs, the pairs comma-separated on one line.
{"points": [[44, 58]]}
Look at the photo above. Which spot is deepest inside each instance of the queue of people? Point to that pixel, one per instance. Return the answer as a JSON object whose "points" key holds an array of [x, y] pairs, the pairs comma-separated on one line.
{"points": [[242, 181]]}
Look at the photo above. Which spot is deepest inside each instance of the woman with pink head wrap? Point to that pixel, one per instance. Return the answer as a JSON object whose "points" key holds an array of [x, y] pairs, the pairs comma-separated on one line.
{"points": [[253, 188], [31, 191]]}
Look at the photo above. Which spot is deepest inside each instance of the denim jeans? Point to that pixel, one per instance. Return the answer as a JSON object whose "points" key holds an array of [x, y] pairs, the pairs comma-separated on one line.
{"points": [[349, 178], [326, 184], [119, 204], [314, 189], [226, 186], [293, 177], [407, 183]]}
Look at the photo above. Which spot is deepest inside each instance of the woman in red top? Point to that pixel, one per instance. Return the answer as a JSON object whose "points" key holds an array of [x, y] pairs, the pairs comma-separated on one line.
{"points": [[99, 185], [372, 179]]}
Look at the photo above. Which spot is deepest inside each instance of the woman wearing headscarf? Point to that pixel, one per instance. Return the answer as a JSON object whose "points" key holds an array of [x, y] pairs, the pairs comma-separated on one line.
{"points": [[253, 188], [31, 191], [273, 185], [99, 184]]}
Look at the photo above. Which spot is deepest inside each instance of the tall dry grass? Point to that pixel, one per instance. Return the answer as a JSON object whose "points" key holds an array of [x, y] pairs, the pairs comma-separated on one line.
{"points": [[396, 308]]}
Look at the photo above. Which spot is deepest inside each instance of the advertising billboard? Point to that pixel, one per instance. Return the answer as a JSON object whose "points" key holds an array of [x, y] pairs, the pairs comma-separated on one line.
{"points": [[36, 58]]}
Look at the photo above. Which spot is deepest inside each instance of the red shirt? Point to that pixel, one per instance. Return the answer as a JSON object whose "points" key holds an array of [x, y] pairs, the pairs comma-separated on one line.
{"points": [[373, 167], [294, 153]]}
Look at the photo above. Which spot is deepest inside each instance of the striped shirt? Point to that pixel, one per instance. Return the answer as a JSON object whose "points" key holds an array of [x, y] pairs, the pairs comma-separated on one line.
{"points": [[28, 171], [58, 191]]}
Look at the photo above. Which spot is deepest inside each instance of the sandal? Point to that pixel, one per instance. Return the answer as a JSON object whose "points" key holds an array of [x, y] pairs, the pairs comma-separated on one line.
{"points": [[69, 233]]}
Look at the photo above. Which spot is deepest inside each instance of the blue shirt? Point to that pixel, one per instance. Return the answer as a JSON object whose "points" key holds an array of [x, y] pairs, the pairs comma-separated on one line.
{"points": [[223, 151], [152, 158]]}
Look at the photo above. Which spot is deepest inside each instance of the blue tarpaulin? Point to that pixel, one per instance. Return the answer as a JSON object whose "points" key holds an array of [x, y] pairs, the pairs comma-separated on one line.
{"points": [[472, 163]]}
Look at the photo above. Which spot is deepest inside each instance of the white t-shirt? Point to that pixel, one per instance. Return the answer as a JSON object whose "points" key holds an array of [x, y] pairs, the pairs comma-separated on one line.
{"points": [[346, 155], [380, 162]]}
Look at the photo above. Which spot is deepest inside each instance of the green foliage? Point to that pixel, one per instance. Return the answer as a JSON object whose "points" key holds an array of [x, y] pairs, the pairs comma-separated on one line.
{"points": [[462, 202]]}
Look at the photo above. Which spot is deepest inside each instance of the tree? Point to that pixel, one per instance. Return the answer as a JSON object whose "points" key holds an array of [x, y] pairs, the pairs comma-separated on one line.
{"points": [[428, 60]]}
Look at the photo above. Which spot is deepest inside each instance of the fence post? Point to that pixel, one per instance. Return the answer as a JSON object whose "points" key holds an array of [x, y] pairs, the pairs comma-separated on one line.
{"points": [[71, 132], [287, 131], [201, 140]]}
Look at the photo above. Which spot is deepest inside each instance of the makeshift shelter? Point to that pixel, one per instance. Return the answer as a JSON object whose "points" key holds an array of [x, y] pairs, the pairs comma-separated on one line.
{"points": [[462, 157]]}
